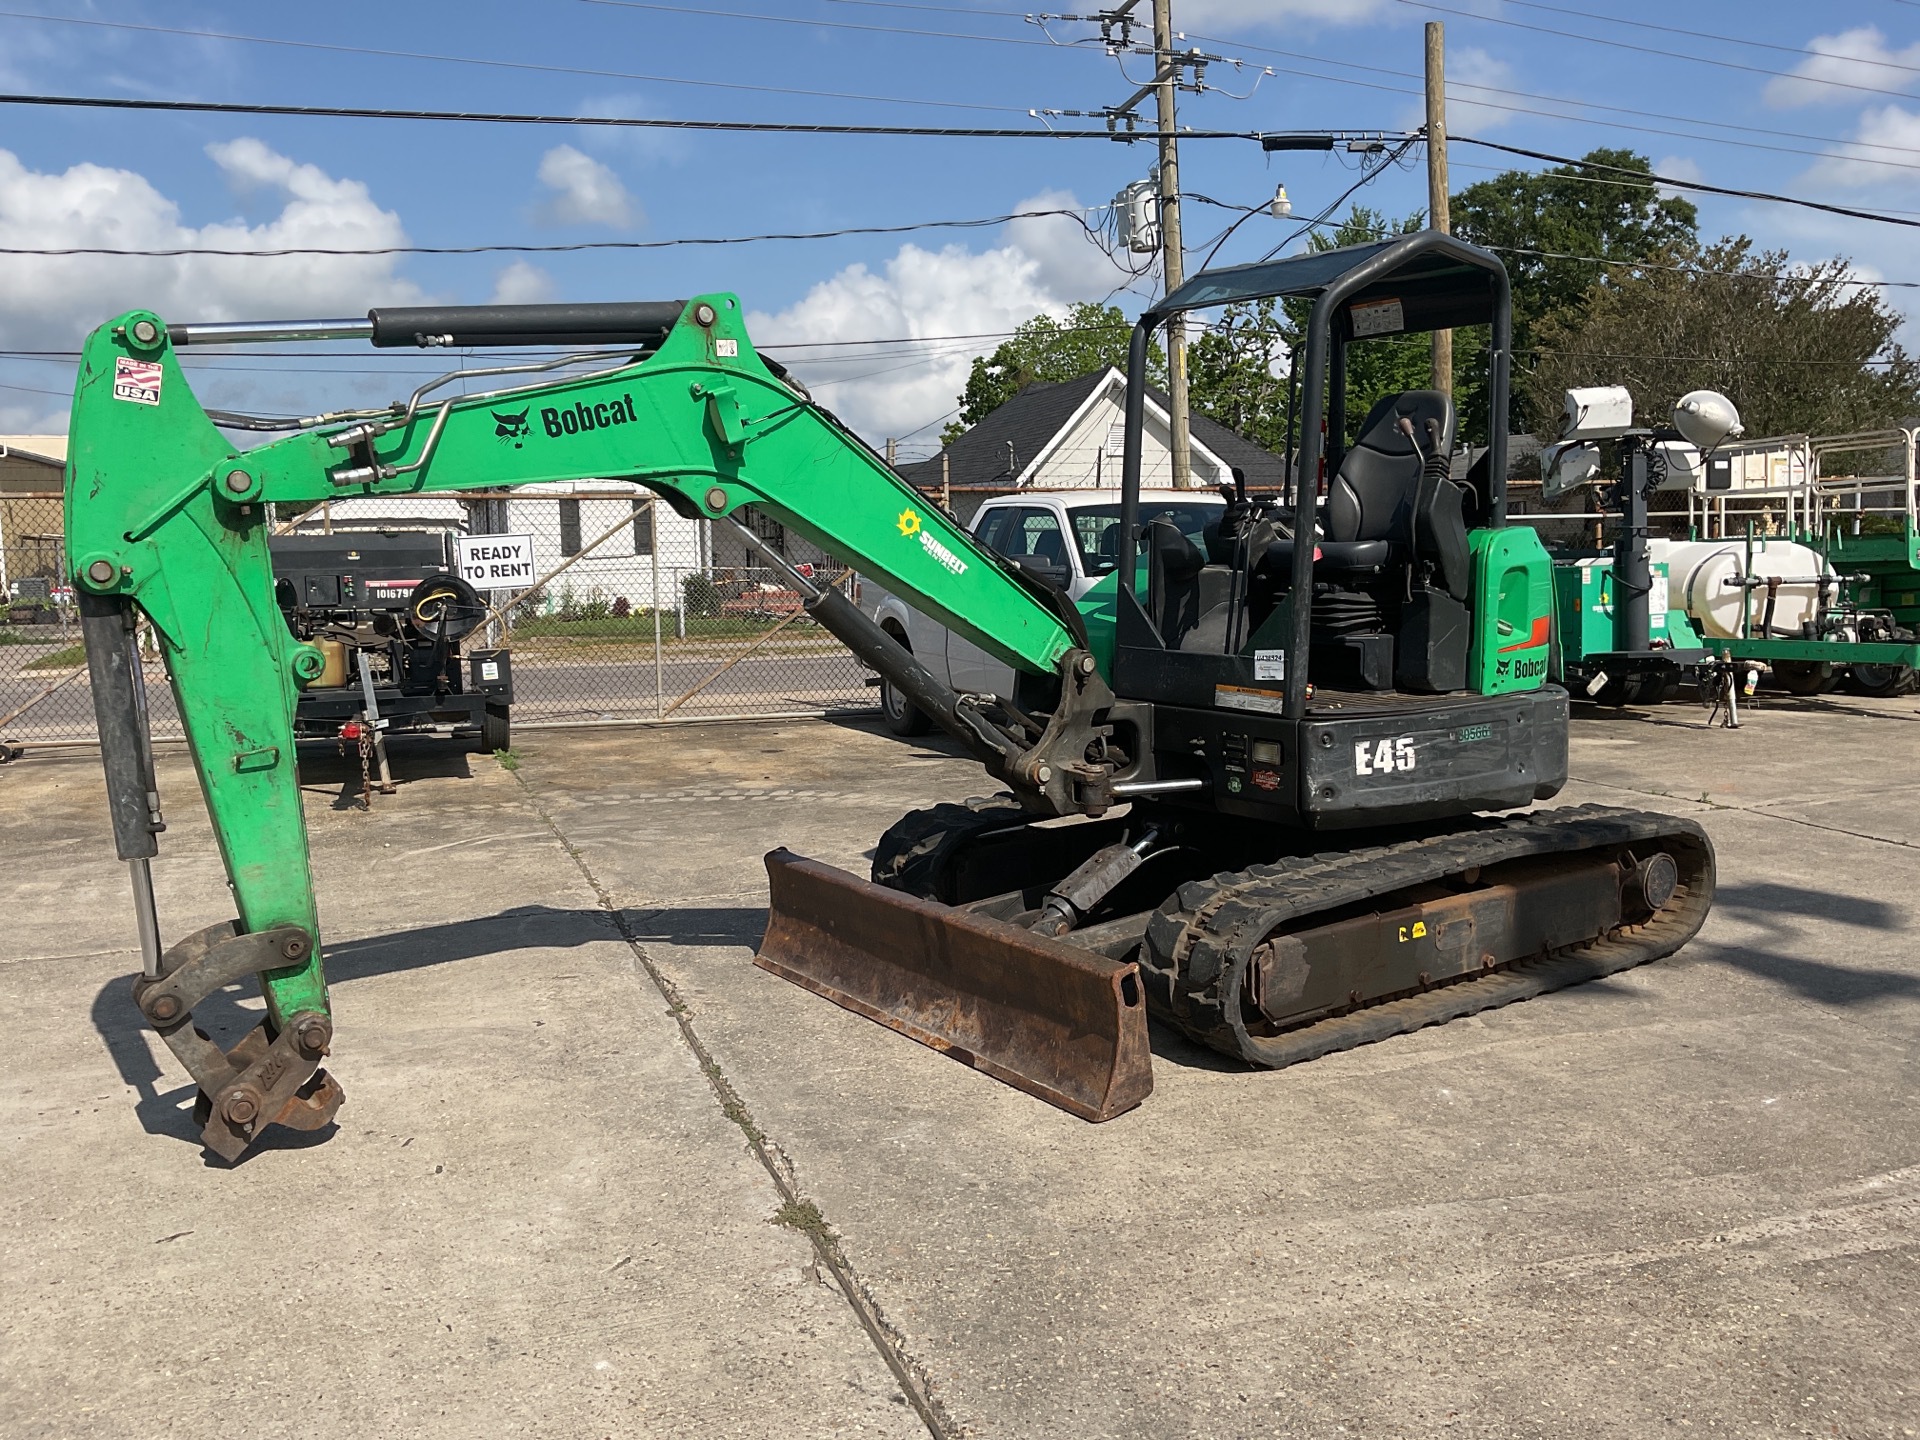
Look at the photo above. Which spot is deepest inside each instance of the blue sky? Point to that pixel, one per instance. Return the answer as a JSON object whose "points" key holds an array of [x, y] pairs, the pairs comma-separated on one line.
{"points": [[75, 177]]}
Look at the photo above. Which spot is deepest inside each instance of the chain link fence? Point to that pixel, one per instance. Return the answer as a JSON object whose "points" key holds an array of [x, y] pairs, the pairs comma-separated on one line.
{"points": [[636, 613]]}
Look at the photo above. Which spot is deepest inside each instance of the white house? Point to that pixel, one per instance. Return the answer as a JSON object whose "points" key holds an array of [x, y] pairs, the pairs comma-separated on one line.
{"points": [[1069, 436]]}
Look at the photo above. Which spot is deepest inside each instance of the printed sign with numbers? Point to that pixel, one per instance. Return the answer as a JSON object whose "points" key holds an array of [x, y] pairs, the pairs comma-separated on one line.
{"points": [[1384, 757]]}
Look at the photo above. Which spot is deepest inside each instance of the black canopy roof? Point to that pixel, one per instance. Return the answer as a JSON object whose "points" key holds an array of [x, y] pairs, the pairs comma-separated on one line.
{"points": [[1441, 282]]}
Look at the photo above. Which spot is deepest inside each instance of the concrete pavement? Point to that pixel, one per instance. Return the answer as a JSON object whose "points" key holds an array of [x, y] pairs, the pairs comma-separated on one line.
{"points": [[1684, 1200]]}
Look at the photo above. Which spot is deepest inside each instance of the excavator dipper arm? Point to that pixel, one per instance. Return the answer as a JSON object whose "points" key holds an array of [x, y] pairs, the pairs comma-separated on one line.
{"points": [[167, 523]]}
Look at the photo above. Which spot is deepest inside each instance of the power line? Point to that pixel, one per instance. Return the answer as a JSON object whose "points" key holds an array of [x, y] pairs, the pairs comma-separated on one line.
{"points": [[706, 12], [1704, 35], [1621, 184], [1454, 86], [1647, 49], [1701, 185], [628, 122], [982, 223], [498, 64]]}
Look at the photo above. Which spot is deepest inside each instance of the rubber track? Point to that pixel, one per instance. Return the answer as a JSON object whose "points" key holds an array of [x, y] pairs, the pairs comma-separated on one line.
{"points": [[1199, 942]]}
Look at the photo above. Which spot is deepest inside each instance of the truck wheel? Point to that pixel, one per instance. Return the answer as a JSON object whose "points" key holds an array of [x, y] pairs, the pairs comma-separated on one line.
{"points": [[900, 714], [1882, 681], [496, 730]]}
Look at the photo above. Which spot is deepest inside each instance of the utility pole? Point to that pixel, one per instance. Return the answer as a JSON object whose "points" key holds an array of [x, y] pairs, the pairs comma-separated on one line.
{"points": [[1173, 257], [1439, 218]]}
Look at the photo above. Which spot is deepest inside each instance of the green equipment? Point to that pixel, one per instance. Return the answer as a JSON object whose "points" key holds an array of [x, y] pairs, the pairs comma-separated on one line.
{"points": [[1246, 776], [1838, 593]]}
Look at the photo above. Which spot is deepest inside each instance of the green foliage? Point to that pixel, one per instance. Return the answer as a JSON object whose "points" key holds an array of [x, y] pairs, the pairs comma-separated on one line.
{"points": [[508, 760], [1237, 373], [1536, 220], [1092, 337], [1796, 347], [1374, 367], [700, 594]]}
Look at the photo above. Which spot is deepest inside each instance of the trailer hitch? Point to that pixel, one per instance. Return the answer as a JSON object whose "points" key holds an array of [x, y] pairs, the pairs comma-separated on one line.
{"points": [[273, 1076]]}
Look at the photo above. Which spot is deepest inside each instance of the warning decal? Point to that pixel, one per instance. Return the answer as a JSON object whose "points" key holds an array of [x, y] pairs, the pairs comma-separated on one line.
{"points": [[136, 380]]}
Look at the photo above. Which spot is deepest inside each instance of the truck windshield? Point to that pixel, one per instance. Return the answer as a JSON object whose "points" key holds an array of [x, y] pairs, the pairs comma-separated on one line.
{"points": [[1096, 528]]}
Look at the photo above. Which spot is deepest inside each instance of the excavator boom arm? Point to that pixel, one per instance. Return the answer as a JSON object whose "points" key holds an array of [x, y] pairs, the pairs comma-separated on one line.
{"points": [[166, 521]]}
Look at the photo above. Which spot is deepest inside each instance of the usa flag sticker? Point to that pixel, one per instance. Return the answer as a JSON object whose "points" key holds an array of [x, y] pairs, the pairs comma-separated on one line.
{"points": [[136, 380]]}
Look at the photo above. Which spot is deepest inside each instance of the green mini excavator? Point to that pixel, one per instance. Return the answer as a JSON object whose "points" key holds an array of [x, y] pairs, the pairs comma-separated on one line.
{"points": [[1253, 781]]}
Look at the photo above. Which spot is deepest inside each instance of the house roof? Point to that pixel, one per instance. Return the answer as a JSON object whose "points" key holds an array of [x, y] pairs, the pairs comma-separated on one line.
{"points": [[48, 449], [1000, 449]]}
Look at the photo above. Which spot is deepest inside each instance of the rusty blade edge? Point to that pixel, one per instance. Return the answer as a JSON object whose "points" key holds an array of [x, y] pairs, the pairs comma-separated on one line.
{"points": [[1052, 997], [1020, 1080]]}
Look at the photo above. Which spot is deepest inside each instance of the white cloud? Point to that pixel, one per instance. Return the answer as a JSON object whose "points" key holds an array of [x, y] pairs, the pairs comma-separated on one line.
{"points": [[1042, 265], [585, 192], [1860, 56], [1680, 168], [522, 283], [1881, 134], [51, 301], [1473, 74]]}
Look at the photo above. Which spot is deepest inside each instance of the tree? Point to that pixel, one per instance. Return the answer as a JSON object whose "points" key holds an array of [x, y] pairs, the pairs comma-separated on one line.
{"points": [[1044, 349], [1237, 374], [1374, 367], [1797, 348], [1545, 225]]}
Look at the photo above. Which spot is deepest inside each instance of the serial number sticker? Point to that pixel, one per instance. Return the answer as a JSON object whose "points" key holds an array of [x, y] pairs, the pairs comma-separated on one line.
{"points": [[1378, 317], [1384, 757], [136, 380], [1467, 734], [1240, 697], [489, 669], [1269, 664]]}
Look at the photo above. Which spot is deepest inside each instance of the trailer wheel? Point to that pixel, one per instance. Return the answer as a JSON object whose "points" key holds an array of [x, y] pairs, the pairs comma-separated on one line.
{"points": [[9, 753], [1803, 677], [900, 714], [1882, 681], [496, 730]]}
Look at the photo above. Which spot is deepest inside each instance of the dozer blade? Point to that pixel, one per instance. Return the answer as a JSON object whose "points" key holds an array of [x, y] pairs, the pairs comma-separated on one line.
{"points": [[1064, 1024]]}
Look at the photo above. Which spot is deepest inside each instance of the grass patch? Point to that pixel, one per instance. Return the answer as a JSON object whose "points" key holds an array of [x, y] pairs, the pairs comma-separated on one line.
{"points": [[65, 659], [508, 760], [14, 637], [801, 1215]]}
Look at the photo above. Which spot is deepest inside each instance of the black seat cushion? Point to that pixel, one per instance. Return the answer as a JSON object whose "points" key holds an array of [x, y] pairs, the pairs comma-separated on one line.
{"points": [[1372, 494]]}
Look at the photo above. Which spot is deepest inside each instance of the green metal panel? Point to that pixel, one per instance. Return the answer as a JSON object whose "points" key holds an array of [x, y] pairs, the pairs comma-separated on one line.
{"points": [[178, 520], [1513, 601]]}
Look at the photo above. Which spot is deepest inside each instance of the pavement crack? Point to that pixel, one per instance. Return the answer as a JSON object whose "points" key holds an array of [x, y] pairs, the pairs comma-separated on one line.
{"points": [[907, 1373]]}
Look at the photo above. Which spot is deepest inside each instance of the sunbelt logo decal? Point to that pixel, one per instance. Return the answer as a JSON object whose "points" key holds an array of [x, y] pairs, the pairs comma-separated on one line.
{"points": [[910, 526], [580, 417]]}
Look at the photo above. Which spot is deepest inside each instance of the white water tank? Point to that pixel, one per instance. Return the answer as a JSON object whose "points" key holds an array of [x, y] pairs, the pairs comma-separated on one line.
{"points": [[1703, 578]]}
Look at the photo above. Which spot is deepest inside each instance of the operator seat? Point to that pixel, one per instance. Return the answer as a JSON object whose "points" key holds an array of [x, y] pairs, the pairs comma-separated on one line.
{"points": [[1387, 506], [1384, 505]]}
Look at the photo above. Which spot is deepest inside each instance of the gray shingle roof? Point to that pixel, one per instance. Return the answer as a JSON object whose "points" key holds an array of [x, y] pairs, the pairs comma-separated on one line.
{"points": [[1032, 418]]}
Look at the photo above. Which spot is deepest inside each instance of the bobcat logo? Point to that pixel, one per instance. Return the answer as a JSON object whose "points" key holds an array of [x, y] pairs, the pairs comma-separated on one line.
{"points": [[511, 427]]}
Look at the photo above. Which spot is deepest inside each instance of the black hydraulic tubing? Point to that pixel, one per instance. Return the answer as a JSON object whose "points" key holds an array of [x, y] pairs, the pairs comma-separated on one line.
{"points": [[1132, 446], [844, 620], [637, 322], [852, 627], [126, 754], [132, 798]]}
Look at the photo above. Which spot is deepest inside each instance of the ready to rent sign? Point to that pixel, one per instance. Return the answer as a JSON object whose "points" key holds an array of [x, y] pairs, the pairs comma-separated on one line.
{"points": [[495, 562]]}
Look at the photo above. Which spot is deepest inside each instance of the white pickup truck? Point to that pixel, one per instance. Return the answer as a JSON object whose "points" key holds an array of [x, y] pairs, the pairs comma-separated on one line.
{"points": [[1069, 537]]}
